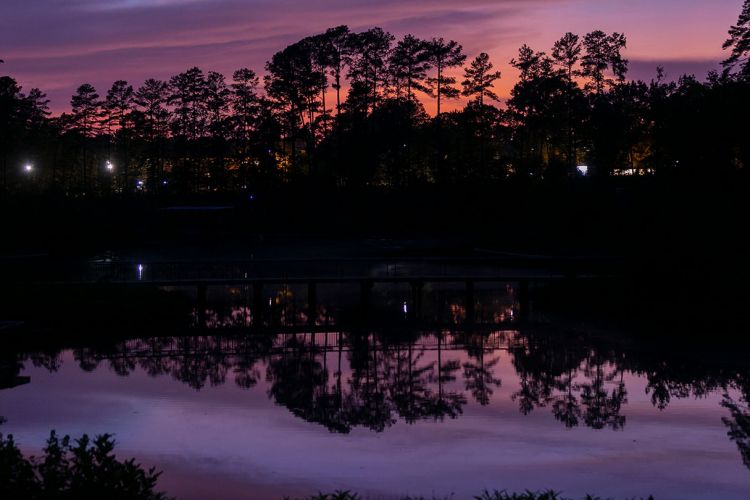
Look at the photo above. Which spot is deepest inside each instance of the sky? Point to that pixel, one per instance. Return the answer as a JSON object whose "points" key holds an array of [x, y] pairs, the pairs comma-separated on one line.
{"points": [[57, 45]]}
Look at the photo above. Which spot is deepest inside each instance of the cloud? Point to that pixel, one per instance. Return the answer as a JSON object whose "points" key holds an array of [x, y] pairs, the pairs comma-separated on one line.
{"points": [[58, 44]]}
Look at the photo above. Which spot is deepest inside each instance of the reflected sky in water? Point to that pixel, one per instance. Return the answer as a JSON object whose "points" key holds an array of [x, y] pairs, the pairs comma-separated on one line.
{"points": [[420, 413]]}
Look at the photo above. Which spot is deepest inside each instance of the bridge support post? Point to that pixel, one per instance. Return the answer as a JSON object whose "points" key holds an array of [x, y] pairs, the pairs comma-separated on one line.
{"points": [[312, 303], [200, 305], [258, 304], [523, 299], [416, 300], [470, 303], [365, 287]]}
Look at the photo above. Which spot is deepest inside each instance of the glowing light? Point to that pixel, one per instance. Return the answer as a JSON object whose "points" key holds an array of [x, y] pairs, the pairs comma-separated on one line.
{"points": [[109, 166], [583, 169], [140, 272], [406, 308], [28, 168]]}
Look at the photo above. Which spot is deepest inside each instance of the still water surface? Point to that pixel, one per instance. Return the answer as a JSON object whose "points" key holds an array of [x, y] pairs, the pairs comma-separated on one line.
{"points": [[405, 410]]}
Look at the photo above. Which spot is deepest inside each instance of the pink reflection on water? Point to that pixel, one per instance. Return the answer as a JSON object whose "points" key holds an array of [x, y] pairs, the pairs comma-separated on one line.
{"points": [[228, 441]]}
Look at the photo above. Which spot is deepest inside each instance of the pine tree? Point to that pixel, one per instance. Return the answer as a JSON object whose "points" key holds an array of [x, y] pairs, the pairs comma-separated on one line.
{"points": [[408, 65], [443, 56], [480, 79], [739, 42]]}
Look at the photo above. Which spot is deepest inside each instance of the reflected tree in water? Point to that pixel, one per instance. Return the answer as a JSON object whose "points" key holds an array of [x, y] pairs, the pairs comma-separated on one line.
{"points": [[207, 365], [445, 403], [534, 364], [296, 379], [371, 380], [250, 352], [738, 425], [548, 369], [478, 373], [679, 379], [566, 407], [738, 421], [602, 408], [87, 359], [410, 379]]}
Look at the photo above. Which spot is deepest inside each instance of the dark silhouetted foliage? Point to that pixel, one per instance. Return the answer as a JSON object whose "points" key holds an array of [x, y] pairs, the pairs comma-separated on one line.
{"points": [[199, 132], [74, 469]]}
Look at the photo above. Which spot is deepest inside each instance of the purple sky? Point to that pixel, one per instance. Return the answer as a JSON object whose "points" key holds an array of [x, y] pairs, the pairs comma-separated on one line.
{"points": [[58, 44]]}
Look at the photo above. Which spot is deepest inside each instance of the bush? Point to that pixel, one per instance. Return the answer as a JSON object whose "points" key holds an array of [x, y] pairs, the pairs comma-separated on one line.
{"points": [[74, 469]]}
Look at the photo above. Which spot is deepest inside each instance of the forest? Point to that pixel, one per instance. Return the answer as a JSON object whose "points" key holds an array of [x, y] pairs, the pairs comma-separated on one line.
{"points": [[346, 110]]}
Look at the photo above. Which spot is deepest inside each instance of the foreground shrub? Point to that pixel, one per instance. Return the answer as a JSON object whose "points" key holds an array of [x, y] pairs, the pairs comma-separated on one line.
{"points": [[74, 469]]}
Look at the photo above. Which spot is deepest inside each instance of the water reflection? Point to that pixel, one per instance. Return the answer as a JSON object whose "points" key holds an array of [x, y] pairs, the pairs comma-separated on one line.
{"points": [[332, 304], [738, 423], [348, 379]]}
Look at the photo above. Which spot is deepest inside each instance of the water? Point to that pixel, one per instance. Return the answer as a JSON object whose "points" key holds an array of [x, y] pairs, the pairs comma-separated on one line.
{"points": [[394, 409]]}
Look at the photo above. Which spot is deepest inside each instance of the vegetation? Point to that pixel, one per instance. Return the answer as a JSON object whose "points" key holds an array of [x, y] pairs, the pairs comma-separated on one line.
{"points": [[486, 495], [578, 379], [346, 109], [82, 468]]}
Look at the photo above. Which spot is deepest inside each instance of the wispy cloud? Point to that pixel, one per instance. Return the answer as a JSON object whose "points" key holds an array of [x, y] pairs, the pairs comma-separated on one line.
{"points": [[58, 44]]}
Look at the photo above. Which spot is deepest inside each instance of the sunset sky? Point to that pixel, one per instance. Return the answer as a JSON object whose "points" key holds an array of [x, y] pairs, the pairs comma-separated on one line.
{"points": [[58, 44]]}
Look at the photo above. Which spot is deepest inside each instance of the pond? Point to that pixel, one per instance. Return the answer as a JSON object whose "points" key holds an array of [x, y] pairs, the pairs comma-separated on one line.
{"points": [[398, 408]]}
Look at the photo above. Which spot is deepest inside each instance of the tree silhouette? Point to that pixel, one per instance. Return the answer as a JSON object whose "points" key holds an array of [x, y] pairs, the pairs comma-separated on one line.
{"points": [[602, 53], [408, 65], [409, 389], [368, 68], [293, 85], [480, 379], [245, 119], [540, 105], [566, 407], [200, 133], [217, 122], [443, 56], [118, 107], [152, 121], [738, 424], [85, 106], [602, 409], [739, 43], [338, 46], [566, 53], [480, 79], [187, 95]]}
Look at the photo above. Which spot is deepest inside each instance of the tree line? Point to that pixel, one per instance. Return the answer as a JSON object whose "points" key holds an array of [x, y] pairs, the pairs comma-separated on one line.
{"points": [[377, 380], [346, 109]]}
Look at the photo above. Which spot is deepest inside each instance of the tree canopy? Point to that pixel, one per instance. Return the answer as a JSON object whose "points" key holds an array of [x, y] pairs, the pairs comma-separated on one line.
{"points": [[347, 109]]}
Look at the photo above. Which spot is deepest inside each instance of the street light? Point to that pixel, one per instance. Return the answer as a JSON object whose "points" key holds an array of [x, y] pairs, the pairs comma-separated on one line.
{"points": [[28, 168], [109, 166]]}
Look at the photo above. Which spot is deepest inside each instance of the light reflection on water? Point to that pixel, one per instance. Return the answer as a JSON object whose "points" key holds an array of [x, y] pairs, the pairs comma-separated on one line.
{"points": [[444, 392], [291, 305], [424, 413]]}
